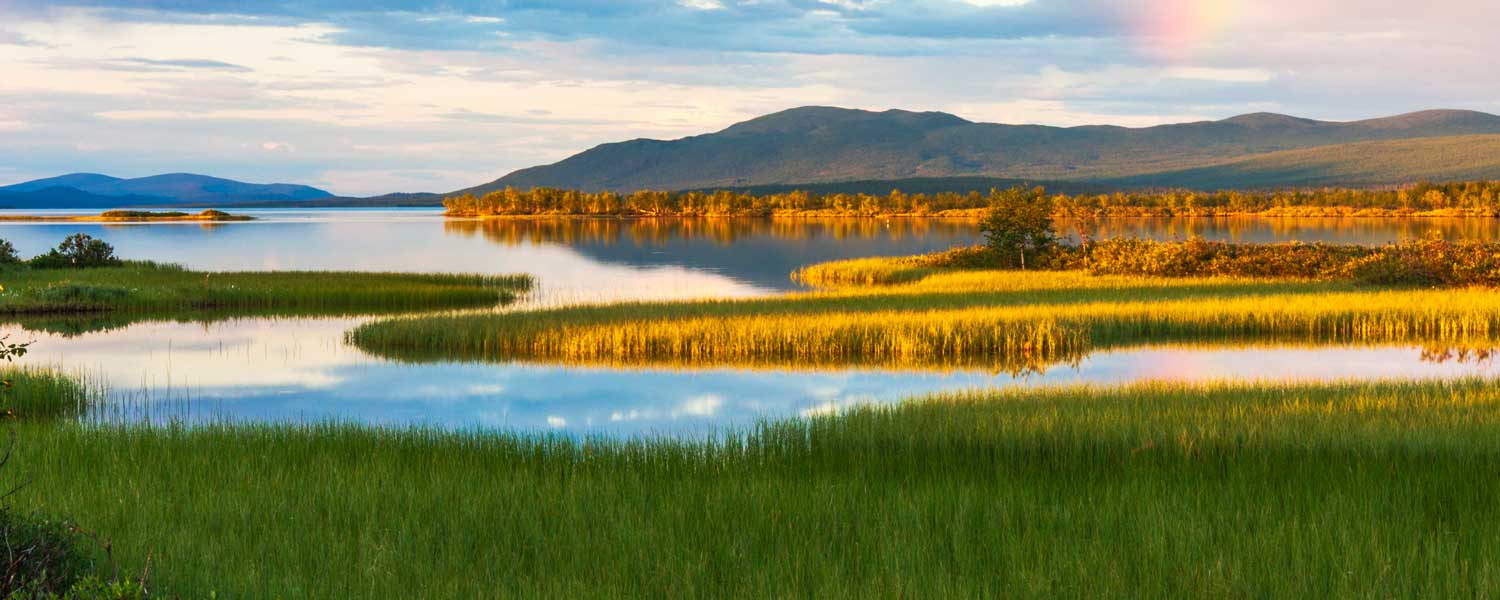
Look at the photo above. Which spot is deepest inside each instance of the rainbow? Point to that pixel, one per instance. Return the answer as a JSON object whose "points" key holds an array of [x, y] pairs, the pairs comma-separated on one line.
{"points": [[1173, 30]]}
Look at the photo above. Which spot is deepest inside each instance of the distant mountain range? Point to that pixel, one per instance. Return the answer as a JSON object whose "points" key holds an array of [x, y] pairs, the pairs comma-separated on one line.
{"points": [[837, 149], [92, 190], [831, 145]]}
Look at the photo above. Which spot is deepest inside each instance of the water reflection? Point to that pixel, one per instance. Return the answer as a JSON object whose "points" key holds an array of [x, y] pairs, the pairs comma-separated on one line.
{"points": [[299, 369]]}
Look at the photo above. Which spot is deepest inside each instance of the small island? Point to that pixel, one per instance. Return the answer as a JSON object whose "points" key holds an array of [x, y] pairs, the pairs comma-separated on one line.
{"points": [[114, 216]]}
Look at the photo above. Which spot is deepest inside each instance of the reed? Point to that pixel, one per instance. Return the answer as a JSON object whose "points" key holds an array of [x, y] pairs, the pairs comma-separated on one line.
{"points": [[1151, 490], [35, 393], [1003, 320]]}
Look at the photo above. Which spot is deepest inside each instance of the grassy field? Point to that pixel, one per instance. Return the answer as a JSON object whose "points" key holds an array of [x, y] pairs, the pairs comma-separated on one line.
{"points": [[1001, 319], [1334, 490], [148, 287]]}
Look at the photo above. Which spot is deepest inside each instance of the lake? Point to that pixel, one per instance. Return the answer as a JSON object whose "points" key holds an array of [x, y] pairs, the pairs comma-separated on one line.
{"points": [[301, 369]]}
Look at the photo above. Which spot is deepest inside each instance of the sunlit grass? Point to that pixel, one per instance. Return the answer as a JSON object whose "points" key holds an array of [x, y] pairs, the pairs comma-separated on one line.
{"points": [[1150, 490], [998, 319]]}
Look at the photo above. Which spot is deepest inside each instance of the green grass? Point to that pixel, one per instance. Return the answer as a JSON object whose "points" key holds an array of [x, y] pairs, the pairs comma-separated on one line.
{"points": [[141, 287], [32, 393], [1154, 490]]}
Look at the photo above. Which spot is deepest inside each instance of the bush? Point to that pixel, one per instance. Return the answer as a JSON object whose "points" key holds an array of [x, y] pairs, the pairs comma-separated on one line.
{"points": [[1198, 257], [1019, 221], [43, 558], [8, 254], [78, 251], [1430, 262]]}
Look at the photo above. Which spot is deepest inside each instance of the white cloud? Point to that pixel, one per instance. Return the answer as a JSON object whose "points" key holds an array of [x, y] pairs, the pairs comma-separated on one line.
{"points": [[374, 103], [555, 421], [699, 406]]}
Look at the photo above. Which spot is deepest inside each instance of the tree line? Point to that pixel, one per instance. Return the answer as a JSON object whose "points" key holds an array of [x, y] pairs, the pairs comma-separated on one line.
{"points": [[1470, 197]]}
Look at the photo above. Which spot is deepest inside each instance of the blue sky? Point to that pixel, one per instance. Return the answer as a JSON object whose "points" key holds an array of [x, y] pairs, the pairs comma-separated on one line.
{"points": [[371, 97]]}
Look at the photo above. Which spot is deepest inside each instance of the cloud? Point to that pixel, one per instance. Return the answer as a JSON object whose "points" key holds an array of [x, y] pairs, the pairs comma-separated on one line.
{"points": [[182, 64], [387, 95], [704, 405]]}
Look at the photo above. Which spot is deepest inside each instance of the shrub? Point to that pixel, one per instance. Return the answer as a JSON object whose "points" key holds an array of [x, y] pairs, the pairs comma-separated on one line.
{"points": [[8, 256], [42, 558], [1430, 262], [1198, 257], [78, 251], [1018, 221]]}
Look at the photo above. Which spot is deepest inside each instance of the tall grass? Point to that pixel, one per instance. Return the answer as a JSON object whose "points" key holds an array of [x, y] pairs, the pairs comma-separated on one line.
{"points": [[144, 286], [33, 393], [1151, 490], [1005, 320]]}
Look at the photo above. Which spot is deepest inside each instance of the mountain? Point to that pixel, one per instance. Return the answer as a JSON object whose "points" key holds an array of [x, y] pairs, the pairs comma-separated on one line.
{"points": [[89, 190], [66, 197], [77, 181], [825, 144], [1447, 158]]}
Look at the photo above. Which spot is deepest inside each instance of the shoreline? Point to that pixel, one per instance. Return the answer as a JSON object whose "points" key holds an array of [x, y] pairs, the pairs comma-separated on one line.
{"points": [[978, 213], [131, 216]]}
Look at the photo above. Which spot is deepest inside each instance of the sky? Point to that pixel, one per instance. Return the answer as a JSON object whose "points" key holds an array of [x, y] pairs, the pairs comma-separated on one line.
{"points": [[363, 97]]}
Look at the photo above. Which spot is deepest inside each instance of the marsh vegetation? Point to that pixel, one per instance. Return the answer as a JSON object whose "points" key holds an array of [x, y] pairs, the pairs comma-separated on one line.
{"points": [[1260, 488], [83, 275], [1351, 489], [1006, 320]]}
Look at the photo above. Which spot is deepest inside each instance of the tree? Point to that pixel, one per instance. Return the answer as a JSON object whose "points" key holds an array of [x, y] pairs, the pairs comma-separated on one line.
{"points": [[1018, 221], [78, 251]]}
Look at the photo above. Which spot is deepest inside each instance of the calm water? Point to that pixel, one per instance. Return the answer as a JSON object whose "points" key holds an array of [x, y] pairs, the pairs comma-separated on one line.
{"points": [[292, 369]]}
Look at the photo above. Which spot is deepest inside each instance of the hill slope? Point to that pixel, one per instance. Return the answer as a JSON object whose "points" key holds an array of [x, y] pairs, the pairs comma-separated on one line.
{"points": [[822, 144], [1386, 162], [92, 189]]}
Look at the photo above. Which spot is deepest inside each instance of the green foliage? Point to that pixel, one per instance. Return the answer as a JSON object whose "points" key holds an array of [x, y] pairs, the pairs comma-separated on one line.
{"points": [[8, 255], [78, 251], [152, 287], [1018, 222], [1336, 490], [94, 587], [80, 294], [40, 557]]}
